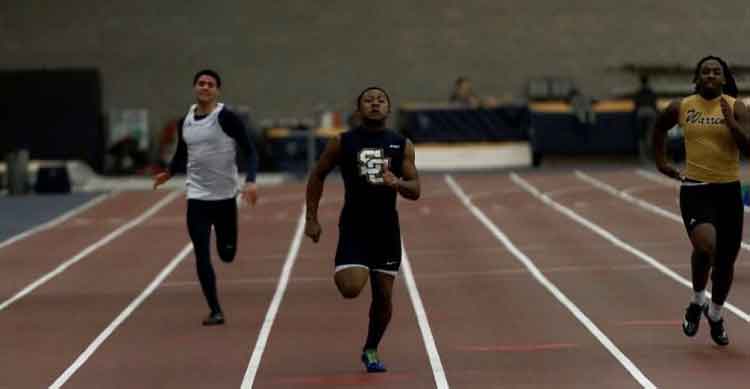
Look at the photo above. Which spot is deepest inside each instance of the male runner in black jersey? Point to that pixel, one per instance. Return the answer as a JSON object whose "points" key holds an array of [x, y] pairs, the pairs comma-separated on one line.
{"points": [[376, 164]]}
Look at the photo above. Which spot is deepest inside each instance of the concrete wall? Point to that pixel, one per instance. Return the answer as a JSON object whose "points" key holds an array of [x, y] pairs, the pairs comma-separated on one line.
{"points": [[287, 57]]}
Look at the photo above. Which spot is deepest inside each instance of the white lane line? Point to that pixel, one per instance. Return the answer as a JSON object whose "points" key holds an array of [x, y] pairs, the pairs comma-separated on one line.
{"points": [[634, 200], [441, 382], [638, 188], [88, 250], [616, 241], [547, 284], [273, 309], [65, 376], [56, 221], [627, 197], [655, 177]]}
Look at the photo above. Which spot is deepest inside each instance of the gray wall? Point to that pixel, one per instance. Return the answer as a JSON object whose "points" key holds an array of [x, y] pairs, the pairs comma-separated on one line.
{"points": [[286, 57]]}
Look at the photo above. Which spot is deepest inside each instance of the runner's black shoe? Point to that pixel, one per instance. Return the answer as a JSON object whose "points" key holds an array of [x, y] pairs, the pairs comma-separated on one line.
{"points": [[692, 319], [718, 334], [216, 318]]}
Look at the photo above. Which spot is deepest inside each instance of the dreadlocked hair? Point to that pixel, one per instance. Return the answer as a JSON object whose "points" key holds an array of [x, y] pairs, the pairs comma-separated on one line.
{"points": [[730, 85]]}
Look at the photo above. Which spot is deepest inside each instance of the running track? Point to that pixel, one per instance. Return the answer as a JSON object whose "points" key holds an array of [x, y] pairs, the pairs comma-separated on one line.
{"points": [[570, 279]]}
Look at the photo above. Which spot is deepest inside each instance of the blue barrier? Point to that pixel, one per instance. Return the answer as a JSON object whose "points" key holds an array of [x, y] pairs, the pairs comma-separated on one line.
{"points": [[562, 133], [289, 149], [446, 124], [607, 127]]}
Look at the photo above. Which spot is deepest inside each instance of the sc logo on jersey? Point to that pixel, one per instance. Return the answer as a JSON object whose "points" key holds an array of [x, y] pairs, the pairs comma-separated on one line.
{"points": [[372, 163]]}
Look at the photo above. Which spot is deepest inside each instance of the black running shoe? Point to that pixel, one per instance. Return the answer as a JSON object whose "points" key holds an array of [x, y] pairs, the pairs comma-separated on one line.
{"points": [[718, 334], [692, 319], [216, 318]]}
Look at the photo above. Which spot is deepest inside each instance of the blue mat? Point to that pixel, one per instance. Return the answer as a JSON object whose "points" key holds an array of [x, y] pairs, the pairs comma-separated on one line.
{"points": [[18, 214]]}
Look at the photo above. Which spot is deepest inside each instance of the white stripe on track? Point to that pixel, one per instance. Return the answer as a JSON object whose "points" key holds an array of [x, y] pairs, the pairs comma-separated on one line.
{"points": [[273, 309], [661, 212], [56, 221], [616, 241], [86, 354], [632, 199], [627, 197], [658, 178], [441, 382], [88, 250], [551, 288]]}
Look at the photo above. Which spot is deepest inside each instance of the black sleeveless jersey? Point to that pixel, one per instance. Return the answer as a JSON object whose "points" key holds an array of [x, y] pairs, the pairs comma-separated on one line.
{"points": [[364, 154]]}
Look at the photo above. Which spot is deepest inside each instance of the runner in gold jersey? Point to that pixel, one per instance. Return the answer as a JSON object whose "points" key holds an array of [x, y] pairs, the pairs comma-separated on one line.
{"points": [[715, 126]]}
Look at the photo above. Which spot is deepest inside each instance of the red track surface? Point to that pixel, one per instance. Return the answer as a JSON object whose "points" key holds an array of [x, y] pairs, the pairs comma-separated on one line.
{"points": [[494, 325]]}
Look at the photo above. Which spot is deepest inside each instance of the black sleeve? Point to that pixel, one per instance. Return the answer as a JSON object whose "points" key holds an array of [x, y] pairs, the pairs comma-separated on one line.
{"points": [[179, 160], [233, 127]]}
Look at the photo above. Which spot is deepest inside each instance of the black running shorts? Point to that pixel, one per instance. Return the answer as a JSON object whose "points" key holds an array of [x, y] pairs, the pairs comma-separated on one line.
{"points": [[376, 247], [716, 204]]}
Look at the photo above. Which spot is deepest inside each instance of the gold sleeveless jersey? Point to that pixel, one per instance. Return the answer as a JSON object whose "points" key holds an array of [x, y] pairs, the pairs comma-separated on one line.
{"points": [[711, 153]]}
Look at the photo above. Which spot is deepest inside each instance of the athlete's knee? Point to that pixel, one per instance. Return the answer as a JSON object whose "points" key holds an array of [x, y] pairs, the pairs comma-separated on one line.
{"points": [[349, 291], [227, 252], [705, 248], [350, 281], [703, 237]]}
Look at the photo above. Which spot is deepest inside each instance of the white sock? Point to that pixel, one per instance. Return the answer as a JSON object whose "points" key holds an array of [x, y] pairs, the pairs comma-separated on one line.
{"points": [[714, 311], [699, 298]]}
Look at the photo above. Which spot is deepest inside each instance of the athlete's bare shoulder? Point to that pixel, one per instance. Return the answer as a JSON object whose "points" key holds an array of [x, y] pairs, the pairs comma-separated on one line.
{"points": [[670, 116]]}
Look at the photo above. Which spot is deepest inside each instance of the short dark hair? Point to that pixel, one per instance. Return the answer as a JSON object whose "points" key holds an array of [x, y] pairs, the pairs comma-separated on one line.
{"points": [[210, 73], [369, 88], [730, 87]]}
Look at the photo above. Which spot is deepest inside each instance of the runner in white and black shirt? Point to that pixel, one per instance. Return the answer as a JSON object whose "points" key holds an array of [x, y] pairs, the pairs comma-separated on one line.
{"points": [[209, 136]]}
